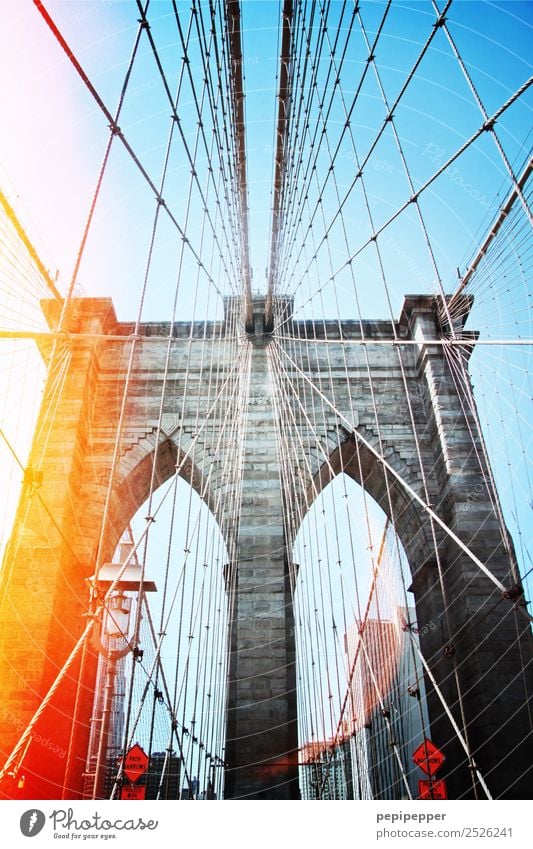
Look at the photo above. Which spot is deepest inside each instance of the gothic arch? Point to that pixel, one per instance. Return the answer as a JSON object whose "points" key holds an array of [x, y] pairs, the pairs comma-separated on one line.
{"points": [[133, 485], [409, 519]]}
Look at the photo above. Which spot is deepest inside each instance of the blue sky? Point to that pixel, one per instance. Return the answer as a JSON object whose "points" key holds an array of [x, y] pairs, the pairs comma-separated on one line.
{"points": [[51, 153]]}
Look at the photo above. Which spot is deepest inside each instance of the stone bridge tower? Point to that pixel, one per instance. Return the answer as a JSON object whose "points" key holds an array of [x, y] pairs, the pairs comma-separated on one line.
{"points": [[51, 552]]}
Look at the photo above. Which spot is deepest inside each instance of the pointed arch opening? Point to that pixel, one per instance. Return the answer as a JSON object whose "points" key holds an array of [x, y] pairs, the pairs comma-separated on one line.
{"points": [[169, 689], [361, 694], [134, 481], [356, 461]]}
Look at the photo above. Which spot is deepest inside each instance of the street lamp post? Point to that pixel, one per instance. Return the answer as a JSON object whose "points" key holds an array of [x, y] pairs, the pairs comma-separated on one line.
{"points": [[114, 627]]}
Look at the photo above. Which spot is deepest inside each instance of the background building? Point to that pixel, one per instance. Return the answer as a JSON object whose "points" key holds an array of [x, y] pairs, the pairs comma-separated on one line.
{"points": [[163, 776], [387, 707], [326, 770]]}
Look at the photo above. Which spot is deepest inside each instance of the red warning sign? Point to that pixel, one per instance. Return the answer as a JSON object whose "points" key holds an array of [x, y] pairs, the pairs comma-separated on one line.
{"points": [[432, 789], [428, 757], [136, 763], [133, 791]]}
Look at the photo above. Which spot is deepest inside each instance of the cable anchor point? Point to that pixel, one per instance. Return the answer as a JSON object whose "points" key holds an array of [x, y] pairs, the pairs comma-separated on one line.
{"points": [[514, 593]]}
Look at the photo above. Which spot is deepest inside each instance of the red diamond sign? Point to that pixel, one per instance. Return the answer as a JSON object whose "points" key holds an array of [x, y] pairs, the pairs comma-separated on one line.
{"points": [[432, 789], [136, 763], [428, 757]]}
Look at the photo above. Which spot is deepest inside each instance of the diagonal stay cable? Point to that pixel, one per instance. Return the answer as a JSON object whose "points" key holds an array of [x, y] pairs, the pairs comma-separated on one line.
{"points": [[414, 197], [191, 157], [400, 480], [318, 138], [118, 132], [381, 131]]}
